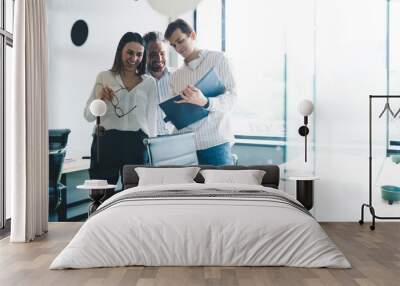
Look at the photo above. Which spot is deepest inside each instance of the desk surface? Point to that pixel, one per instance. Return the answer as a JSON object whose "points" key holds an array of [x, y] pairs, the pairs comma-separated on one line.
{"points": [[75, 165]]}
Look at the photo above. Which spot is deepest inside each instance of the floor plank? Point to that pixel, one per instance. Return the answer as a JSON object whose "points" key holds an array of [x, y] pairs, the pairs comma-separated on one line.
{"points": [[374, 255]]}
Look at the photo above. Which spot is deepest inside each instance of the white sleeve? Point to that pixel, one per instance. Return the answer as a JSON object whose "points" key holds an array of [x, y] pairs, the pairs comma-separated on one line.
{"points": [[152, 110], [224, 102], [95, 91]]}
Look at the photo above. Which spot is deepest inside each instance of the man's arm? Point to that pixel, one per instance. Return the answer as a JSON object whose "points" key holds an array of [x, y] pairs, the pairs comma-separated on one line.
{"points": [[221, 103], [224, 102]]}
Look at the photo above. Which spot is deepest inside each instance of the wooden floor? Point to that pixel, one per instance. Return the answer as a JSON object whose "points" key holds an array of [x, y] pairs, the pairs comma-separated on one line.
{"points": [[374, 255]]}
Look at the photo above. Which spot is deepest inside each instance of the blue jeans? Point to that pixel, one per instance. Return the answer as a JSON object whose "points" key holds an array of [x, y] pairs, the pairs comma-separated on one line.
{"points": [[217, 156]]}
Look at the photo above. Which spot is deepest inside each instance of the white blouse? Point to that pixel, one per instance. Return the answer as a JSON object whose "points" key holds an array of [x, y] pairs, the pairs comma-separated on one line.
{"points": [[143, 96]]}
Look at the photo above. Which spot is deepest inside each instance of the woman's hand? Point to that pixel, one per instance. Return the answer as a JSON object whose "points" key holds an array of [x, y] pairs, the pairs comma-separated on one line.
{"points": [[106, 93], [193, 95]]}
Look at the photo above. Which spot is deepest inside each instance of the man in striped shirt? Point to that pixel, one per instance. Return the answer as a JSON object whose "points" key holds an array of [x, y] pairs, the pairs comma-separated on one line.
{"points": [[213, 133], [156, 52]]}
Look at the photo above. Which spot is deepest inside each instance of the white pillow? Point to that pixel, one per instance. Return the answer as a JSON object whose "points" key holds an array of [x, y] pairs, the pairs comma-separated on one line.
{"points": [[165, 176], [248, 177]]}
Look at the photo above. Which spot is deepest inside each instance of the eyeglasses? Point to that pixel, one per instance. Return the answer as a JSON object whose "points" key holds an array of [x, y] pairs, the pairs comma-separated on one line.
{"points": [[119, 112]]}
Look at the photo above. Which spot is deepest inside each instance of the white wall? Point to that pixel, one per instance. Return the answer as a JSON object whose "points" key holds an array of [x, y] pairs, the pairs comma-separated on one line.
{"points": [[350, 66], [73, 70]]}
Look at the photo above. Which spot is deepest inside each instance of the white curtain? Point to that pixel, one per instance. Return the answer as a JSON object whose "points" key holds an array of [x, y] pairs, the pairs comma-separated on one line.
{"points": [[27, 150]]}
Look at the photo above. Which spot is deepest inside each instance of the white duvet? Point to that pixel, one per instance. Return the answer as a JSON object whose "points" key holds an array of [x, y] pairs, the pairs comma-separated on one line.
{"points": [[200, 231]]}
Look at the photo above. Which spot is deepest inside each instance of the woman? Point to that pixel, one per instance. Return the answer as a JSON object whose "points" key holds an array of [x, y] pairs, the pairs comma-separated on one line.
{"points": [[131, 97]]}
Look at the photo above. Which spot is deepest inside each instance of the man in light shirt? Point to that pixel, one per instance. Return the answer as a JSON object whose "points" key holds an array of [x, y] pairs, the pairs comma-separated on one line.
{"points": [[156, 52], [213, 133]]}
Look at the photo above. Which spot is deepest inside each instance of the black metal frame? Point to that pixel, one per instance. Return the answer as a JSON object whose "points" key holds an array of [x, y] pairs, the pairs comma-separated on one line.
{"points": [[369, 205]]}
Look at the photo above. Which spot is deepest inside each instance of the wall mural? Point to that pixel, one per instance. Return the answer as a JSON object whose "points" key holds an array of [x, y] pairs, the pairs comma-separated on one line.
{"points": [[158, 81]]}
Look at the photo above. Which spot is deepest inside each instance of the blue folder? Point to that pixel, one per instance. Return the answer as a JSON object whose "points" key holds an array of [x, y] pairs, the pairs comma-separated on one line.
{"points": [[184, 114]]}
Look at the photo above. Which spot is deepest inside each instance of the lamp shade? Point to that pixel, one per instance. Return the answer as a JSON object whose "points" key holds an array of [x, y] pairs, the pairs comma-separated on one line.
{"points": [[173, 8], [98, 107], [305, 107]]}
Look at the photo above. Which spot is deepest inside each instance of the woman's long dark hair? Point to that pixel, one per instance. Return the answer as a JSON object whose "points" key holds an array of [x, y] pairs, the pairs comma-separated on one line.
{"points": [[127, 38]]}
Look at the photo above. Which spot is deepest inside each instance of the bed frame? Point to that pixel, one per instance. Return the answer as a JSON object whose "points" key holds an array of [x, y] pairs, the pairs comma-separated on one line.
{"points": [[130, 178]]}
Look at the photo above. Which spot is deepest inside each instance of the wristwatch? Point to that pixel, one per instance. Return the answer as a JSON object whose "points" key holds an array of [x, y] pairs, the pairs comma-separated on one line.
{"points": [[207, 104]]}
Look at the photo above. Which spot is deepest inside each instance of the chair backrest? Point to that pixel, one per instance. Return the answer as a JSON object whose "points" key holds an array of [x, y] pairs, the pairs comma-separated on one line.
{"points": [[56, 160], [58, 139], [178, 149]]}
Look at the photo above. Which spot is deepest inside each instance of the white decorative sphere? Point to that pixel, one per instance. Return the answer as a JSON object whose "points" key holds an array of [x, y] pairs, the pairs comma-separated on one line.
{"points": [[173, 8], [305, 107], [98, 107]]}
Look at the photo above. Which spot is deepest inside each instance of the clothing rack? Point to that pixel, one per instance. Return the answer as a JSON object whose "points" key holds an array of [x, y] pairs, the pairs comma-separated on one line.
{"points": [[370, 205]]}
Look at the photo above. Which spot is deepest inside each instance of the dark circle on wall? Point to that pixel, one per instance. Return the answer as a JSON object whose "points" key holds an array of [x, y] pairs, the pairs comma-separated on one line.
{"points": [[79, 33]]}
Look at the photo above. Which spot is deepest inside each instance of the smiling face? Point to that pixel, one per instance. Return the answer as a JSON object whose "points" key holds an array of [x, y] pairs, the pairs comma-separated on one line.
{"points": [[156, 56], [132, 56], [183, 44]]}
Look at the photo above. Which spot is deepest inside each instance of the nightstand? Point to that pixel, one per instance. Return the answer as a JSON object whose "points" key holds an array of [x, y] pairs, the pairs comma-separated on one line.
{"points": [[305, 189]]}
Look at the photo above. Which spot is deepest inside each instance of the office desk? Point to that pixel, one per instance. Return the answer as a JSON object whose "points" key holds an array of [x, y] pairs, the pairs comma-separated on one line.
{"points": [[73, 173], [75, 165]]}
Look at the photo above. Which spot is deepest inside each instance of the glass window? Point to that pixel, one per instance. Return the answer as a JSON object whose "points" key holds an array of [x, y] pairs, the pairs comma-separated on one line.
{"points": [[256, 47], [272, 55], [5, 89], [394, 45], [394, 70], [1, 136], [9, 15], [209, 28], [1, 14], [8, 86]]}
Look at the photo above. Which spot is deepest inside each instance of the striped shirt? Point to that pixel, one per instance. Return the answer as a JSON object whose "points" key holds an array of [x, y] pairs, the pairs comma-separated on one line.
{"points": [[214, 129], [163, 93]]}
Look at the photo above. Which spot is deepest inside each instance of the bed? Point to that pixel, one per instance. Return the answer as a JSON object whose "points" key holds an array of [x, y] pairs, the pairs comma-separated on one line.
{"points": [[198, 224]]}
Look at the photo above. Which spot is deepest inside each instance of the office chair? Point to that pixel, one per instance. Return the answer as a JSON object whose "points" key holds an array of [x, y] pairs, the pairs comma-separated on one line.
{"points": [[57, 192], [178, 149], [56, 189]]}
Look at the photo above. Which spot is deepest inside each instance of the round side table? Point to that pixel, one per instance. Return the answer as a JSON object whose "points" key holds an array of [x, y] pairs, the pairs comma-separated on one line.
{"points": [[97, 195], [305, 189]]}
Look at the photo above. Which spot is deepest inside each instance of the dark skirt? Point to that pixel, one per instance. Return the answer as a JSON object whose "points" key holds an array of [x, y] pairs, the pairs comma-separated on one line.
{"points": [[116, 149]]}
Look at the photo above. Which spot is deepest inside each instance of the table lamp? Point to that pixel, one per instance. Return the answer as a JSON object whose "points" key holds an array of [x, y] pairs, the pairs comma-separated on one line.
{"points": [[305, 108], [98, 108]]}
